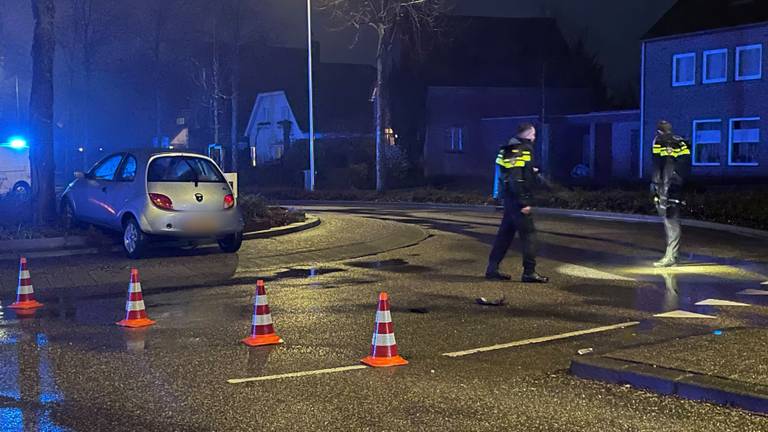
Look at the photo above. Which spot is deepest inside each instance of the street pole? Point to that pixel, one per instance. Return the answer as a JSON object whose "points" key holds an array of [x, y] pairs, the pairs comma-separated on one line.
{"points": [[311, 101]]}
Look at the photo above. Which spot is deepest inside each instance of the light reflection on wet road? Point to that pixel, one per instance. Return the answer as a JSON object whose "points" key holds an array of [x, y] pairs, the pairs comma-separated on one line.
{"points": [[600, 277]]}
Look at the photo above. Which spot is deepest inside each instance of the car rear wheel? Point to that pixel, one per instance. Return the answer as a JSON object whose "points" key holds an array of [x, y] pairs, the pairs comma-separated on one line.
{"points": [[134, 239], [231, 243], [22, 192]]}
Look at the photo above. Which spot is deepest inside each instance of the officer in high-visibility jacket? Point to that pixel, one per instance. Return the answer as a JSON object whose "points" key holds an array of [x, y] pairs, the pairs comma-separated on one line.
{"points": [[517, 175], [671, 165]]}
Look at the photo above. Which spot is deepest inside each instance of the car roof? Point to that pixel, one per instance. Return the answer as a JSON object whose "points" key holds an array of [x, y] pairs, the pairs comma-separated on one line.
{"points": [[148, 153]]}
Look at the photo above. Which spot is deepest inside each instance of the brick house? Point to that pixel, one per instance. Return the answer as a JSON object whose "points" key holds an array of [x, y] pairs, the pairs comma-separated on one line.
{"points": [[708, 77]]}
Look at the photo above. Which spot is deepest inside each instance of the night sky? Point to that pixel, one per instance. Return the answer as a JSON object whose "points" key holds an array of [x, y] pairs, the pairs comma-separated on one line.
{"points": [[611, 28]]}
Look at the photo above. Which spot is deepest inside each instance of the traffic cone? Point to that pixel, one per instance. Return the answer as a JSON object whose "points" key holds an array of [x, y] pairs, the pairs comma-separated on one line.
{"points": [[25, 293], [262, 331], [135, 312], [383, 345]]}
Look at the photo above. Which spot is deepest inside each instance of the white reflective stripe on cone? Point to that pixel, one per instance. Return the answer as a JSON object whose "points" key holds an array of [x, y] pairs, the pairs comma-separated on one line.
{"points": [[25, 289], [261, 300], [387, 339], [261, 320], [134, 305], [383, 317], [134, 287], [24, 274]]}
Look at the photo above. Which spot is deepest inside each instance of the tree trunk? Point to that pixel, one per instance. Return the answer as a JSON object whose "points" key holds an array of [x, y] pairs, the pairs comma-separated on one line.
{"points": [[41, 112], [379, 107]]}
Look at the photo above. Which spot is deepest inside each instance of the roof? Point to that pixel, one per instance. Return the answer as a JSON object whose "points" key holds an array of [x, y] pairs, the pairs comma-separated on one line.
{"points": [[686, 16], [493, 52], [342, 91]]}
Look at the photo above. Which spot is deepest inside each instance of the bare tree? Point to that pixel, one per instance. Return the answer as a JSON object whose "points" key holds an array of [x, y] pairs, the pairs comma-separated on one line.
{"points": [[41, 111], [207, 76], [391, 20], [87, 28]]}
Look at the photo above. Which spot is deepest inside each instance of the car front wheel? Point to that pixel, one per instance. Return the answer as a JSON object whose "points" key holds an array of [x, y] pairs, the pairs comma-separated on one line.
{"points": [[134, 240], [68, 218], [231, 243]]}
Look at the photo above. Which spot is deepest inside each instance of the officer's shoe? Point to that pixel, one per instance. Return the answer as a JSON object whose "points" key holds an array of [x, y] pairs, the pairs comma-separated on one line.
{"points": [[496, 275], [665, 262], [534, 278]]}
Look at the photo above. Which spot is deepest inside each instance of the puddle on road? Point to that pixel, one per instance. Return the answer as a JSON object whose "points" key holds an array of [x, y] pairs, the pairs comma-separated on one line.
{"points": [[393, 265], [668, 292], [300, 273]]}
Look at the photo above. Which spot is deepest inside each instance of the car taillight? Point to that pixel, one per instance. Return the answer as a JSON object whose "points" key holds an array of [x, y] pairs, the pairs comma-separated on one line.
{"points": [[229, 201], [161, 201]]}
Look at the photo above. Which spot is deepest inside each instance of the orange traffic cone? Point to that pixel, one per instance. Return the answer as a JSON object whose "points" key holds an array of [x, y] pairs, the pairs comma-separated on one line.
{"points": [[383, 345], [25, 293], [262, 331], [135, 312]]}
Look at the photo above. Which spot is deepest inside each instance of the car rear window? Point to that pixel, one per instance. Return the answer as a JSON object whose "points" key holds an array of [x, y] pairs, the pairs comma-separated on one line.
{"points": [[183, 169]]}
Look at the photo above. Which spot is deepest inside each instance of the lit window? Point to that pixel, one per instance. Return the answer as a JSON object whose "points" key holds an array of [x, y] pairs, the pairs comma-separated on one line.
{"points": [[744, 141], [455, 139], [707, 137], [715, 66], [389, 136], [749, 62], [181, 121], [684, 69]]}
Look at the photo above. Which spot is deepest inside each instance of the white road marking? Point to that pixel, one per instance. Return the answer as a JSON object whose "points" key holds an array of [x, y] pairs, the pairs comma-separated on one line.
{"points": [[718, 302], [612, 218], [753, 292], [682, 314], [589, 273], [296, 374], [542, 339]]}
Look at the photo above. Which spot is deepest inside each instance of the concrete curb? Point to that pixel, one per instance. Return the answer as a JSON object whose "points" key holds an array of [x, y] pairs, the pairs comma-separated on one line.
{"points": [[684, 384], [311, 222], [589, 214], [76, 245]]}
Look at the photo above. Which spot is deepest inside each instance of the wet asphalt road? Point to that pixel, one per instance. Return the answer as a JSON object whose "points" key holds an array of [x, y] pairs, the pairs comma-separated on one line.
{"points": [[70, 368]]}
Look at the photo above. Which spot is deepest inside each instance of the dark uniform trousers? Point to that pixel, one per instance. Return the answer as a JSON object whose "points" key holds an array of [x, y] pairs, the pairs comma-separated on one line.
{"points": [[512, 222]]}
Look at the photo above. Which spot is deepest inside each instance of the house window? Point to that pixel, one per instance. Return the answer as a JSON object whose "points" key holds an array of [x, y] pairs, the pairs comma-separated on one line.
{"points": [[278, 150], [684, 69], [744, 140], [707, 137], [749, 62], [181, 121], [715, 66], [455, 139], [264, 117]]}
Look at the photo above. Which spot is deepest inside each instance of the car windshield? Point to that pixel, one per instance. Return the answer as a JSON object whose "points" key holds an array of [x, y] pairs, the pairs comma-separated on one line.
{"points": [[183, 169]]}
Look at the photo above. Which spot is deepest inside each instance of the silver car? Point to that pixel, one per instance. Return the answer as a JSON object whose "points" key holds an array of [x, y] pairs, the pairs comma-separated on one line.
{"points": [[150, 193]]}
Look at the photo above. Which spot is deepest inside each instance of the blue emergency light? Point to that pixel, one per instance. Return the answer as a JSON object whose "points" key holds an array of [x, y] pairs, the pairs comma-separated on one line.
{"points": [[17, 143]]}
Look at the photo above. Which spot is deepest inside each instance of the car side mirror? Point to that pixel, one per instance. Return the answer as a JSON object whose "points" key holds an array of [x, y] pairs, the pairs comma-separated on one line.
{"points": [[79, 174]]}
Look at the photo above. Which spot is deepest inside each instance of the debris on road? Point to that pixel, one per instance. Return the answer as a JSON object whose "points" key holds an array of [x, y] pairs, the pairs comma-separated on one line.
{"points": [[485, 302]]}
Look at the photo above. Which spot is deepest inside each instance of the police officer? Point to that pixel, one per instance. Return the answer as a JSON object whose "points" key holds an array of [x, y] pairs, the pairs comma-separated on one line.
{"points": [[517, 175], [671, 165]]}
